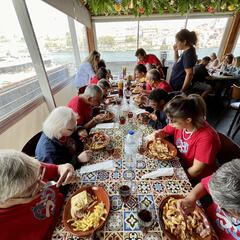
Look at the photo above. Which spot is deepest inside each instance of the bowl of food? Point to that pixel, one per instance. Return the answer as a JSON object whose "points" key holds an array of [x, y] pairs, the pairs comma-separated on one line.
{"points": [[97, 141], [143, 118], [140, 99], [161, 149], [176, 226], [109, 100], [109, 116], [137, 90], [86, 211]]}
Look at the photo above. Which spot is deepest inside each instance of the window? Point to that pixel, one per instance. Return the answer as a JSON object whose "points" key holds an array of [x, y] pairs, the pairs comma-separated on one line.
{"points": [[159, 36], [18, 81], [210, 32], [236, 52], [117, 42], [82, 40], [54, 39]]}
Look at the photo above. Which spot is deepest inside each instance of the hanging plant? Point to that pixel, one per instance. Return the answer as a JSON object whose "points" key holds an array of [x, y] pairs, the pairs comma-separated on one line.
{"points": [[147, 7]]}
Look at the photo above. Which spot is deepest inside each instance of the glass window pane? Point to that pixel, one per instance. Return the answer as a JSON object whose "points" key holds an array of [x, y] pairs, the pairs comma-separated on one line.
{"points": [[210, 32], [158, 36], [82, 40], [18, 81], [54, 39], [117, 42], [237, 48]]}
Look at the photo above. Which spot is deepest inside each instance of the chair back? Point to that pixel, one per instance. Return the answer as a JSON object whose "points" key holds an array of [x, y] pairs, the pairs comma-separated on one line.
{"points": [[229, 150], [30, 147], [235, 92]]}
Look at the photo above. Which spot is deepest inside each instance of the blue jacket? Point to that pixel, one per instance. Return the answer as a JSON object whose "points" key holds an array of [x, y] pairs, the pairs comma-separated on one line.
{"points": [[52, 151]]}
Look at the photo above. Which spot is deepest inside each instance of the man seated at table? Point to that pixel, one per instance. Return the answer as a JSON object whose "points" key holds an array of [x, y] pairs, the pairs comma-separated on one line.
{"points": [[105, 86], [200, 77], [28, 208], [148, 59], [154, 81], [82, 105], [101, 73]]}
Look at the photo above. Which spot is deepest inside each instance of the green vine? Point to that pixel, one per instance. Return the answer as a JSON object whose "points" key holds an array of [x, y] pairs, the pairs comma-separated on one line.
{"points": [[147, 7]]}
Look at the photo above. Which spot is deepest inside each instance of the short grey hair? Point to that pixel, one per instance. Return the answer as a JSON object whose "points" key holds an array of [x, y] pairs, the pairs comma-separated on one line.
{"points": [[154, 74], [18, 172], [92, 91], [224, 186], [103, 83], [57, 121]]}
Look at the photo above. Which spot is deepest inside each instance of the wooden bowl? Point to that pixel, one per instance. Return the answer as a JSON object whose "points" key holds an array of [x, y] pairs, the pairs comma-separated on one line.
{"points": [[143, 118], [171, 147], [101, 197], [110, 117], [88, 143], [171, 236]]}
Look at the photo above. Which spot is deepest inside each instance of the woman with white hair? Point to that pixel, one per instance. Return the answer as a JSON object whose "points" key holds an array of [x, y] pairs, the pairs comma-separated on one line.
{"points": [[87, 71], [60, 141], [224, 188], [29, 209]]}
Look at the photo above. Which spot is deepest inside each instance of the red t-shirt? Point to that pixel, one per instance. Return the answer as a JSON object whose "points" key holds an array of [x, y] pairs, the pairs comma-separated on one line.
{"points": [[35, 220], [223, 227], [83, 109], [152, 59], [93, 81], [164, 85], [203, 145]]}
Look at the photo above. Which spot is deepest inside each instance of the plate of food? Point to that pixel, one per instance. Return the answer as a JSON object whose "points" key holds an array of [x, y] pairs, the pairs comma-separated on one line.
{"points": [[140, 99], [109, 100], [109, 116], [97, 141], [137, 90], [86, 211], [114, 91], [143, 118], [175, 226], [161, 149]]}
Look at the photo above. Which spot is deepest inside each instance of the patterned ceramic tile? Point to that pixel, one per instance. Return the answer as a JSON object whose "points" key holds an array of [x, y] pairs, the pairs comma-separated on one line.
{"points": [[175, 163], [113, 187], [140, 173], [158, 187], [133, 236], [131, 221], [114, 235], [103, 175], [185, 186], [180, 174], [152, 236], [118, 164], [90, 177], [152, 164], [114, 222], [173, 187], [129, 175], [116, 175], [144, 187], [146, 201], [115, 203], [131, 204], [164, 164], [140, 164]]}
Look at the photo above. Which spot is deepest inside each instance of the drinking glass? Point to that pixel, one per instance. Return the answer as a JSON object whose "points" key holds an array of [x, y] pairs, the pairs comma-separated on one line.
{"points": [[125, 191]]}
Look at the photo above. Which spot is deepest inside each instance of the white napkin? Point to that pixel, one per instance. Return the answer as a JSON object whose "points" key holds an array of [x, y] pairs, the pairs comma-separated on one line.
{"points": [[161, 172], [107, 125], [108, 165]]}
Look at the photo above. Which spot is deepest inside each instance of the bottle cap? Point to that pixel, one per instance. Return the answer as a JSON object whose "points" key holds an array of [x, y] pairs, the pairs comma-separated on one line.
{"points": [[131, 132]]}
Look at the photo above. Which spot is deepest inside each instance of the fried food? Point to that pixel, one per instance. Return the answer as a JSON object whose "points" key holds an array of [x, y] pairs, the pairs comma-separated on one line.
{"points": [[137, 90], [108, 116], [97, 141], [160, 150], [192, 229], [87, 219]]}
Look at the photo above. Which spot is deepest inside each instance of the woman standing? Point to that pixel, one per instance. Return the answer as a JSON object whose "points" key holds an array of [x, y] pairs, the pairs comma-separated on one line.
{"points": [[87, 71], [182, 71]]}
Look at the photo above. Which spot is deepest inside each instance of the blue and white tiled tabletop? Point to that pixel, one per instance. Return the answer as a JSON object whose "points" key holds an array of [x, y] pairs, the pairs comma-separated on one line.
{"points": [[122, 222]]}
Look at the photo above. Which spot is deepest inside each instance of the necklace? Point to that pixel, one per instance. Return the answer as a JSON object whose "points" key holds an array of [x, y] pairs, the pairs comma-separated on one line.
{"points": [[185, 131]]}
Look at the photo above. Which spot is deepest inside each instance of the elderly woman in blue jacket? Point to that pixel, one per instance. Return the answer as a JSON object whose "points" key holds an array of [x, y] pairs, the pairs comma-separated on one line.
{"points": [[60, 141]]}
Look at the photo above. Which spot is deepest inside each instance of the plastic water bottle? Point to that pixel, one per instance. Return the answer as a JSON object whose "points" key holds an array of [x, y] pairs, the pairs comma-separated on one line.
{"points": [[130, 150]]}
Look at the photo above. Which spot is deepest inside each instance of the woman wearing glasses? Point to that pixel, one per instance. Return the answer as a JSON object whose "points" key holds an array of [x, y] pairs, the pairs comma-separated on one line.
{"points": [[224, 212], [28, 208]]}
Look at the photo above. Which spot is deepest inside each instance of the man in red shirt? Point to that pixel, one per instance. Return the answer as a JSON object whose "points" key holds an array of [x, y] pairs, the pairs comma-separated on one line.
{"points": [[29, 210], [154, 81], [224, 211], [82, 105], [149, 59]]}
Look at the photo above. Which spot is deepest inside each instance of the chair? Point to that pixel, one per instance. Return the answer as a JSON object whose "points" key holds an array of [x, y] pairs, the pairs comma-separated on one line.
{"points": [[228, 151], [30, 147]]}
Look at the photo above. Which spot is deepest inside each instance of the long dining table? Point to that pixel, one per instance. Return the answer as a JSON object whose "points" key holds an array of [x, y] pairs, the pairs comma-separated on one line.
{"points": [[122, 222]]}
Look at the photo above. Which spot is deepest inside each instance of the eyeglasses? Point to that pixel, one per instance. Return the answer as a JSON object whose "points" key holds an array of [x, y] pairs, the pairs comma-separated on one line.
{"points": [[231, 219], [35, 186]]}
